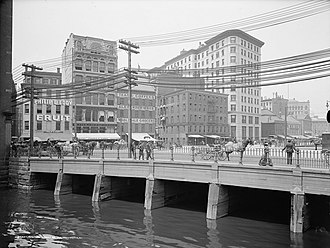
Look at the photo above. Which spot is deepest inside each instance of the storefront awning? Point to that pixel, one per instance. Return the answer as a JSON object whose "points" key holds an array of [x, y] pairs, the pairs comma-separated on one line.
{"points": [[98, 136], [212, 136], [195, 136], [142, 137]]}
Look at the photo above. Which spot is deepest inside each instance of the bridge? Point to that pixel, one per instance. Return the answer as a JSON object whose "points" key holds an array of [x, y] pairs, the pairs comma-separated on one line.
{"points": [[165, 180]]}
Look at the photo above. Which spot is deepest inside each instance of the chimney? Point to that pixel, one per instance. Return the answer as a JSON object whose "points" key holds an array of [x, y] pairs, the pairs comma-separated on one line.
{"points": [[58, 70]]}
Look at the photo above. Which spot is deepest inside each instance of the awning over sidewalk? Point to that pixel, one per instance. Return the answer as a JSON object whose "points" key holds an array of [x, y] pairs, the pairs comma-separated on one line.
{"points": [[98, 136], [212, 136], [142, 136], [195, 136]]}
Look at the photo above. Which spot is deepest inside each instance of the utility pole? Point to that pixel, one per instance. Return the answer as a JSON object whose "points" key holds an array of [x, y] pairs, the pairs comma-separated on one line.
{"points": [[32, 76], [129, 47], [285, 123]]}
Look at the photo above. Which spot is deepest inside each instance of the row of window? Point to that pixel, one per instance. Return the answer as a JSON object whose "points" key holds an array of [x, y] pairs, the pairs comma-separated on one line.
{"points": [[250, 100], [202, 129], [245, 99], [136, 128], [233, 119], [94, 66], [137, 113], [136, 102], [195, 118], [244, 108], [40, 125], [48, 109], [94, 115], [96, 99], [192, 96], [297, 112], [215, 47], [44, 80], [245, 134], [249, 55], [298, 107]]}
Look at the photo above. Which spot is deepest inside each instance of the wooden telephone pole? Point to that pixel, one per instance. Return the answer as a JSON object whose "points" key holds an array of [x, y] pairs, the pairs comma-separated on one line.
{"points": [[32, 76], [129, 47]]}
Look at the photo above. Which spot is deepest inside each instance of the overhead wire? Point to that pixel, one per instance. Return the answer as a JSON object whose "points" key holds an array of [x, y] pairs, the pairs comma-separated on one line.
{"points": [[264, 20]]}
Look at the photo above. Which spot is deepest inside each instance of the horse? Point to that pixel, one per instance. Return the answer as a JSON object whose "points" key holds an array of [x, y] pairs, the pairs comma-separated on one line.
{"points": [[238, 147], [90, 147]]}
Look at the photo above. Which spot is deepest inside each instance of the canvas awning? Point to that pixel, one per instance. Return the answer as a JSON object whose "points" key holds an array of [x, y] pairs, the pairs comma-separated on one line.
{"points": [[195, 136], [212, 136], [98, 136], [142, 136]]}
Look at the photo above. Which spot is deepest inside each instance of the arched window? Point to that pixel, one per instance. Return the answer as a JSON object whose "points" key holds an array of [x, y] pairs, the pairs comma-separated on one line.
{"points": [[88, 65], [78, 64]]}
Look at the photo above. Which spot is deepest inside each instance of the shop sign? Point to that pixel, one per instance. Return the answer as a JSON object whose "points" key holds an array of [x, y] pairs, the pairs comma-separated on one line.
{"points": [[41, 117], [53, 102]]}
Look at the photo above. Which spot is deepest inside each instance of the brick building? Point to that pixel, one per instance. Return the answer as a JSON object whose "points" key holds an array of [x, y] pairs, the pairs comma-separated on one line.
{"points": [[52, 108], [89, 65], [187, 116]]}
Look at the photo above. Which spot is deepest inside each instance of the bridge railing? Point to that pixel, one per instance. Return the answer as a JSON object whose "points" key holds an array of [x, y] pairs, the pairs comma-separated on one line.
{"points": [[307, 158]]}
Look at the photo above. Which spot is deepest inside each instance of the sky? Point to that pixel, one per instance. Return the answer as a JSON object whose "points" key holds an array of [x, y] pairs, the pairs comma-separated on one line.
{"points": [[41, 28]]}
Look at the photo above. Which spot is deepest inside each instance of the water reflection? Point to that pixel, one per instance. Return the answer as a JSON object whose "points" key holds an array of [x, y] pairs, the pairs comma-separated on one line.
{"points": [[147, 221], [40, 219], [213, 234]]}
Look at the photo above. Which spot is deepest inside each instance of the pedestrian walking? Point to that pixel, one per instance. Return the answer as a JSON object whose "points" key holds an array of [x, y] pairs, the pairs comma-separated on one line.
{"points": [[148, 150], [289, 148], [133, 149], [141, 151]]}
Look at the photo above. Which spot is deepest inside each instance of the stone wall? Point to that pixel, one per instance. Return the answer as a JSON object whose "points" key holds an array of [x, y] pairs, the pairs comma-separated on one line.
{"points": [[4, 173], [19, 173]]}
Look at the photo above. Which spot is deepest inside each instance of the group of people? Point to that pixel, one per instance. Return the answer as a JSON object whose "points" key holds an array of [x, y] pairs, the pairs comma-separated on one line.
{"points": [[142, 147]]}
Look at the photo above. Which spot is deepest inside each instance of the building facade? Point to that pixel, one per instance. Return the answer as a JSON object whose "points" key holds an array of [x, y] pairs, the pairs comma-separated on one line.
{"points": [[52, 108], [186, 117], [298, 109], [89, 65], [226, 62], [278, 104], [143, 110]]}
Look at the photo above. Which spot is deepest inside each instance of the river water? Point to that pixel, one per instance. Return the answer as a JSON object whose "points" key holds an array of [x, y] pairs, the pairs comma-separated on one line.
{"points": [[38, 219]]}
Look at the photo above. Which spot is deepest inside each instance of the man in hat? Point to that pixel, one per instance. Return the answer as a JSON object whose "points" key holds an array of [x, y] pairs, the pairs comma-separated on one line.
{"points": [[289, 148]]}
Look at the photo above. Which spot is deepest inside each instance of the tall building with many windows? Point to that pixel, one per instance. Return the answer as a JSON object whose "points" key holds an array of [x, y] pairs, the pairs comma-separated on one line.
{"points": [[89, 65], [227, 62]]}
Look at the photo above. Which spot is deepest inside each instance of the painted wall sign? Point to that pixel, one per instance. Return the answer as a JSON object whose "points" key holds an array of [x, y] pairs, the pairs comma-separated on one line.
{"points": [[53, 102], [41, 117]]}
